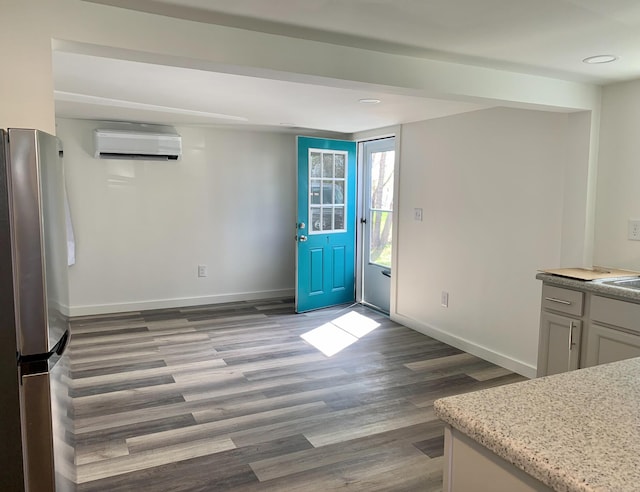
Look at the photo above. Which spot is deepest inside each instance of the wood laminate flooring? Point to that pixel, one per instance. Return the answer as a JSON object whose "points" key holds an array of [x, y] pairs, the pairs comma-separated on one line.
{"points": [[231, 397]]}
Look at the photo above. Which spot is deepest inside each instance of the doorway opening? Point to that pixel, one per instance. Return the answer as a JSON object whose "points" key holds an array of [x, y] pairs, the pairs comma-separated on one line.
{"points": [[344, 226], [377, 164]]}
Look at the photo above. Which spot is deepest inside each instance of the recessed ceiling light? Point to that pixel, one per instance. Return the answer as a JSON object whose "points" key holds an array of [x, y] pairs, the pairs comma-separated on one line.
{"points": [[600, 59], [369, 101]]}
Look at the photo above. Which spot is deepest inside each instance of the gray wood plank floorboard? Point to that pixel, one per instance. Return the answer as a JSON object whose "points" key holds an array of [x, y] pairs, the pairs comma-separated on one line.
{"points": [[230, 397]]}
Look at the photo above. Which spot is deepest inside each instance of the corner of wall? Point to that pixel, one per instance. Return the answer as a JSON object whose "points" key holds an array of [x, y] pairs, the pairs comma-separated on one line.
{"points": [[468, 346]]}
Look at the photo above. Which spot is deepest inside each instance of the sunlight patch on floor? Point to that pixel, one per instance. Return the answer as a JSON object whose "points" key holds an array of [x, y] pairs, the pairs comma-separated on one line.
{"points": [[340, 333]]}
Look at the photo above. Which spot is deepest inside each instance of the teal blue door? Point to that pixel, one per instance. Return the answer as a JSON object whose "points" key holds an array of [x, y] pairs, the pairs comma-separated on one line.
{"points": [[325, 257]]}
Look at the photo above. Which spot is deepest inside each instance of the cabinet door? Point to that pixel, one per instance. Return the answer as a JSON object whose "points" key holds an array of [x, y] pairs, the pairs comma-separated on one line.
{"points": [[609, 345], [559, 349]]}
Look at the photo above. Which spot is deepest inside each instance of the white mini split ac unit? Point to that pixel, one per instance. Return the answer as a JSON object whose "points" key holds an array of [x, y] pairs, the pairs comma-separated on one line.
{"points": [[120, 144]]}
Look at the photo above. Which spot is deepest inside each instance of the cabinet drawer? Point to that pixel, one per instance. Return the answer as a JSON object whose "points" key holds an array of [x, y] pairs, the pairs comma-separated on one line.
{"points": [[562, 300], [616, 313]]}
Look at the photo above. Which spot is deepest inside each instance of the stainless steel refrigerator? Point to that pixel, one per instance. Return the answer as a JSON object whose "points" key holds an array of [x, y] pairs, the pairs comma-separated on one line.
{"points": [[33, 302]]}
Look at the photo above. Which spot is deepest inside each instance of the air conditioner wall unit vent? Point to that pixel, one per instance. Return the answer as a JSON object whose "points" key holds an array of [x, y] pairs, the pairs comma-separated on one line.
{"points": [[121, 144]]}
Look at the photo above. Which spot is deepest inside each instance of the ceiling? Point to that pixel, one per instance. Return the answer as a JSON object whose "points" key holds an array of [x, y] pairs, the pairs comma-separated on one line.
{"points": [[91, 87], [542, 37]]}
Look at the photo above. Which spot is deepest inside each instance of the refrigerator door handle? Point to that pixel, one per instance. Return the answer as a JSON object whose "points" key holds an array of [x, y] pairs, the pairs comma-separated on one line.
{"points": [[61, 346], [40, 363]]}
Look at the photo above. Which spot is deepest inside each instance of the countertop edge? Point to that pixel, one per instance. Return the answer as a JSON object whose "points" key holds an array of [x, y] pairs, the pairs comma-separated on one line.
{"points": [[522, 458], [595, 286]]}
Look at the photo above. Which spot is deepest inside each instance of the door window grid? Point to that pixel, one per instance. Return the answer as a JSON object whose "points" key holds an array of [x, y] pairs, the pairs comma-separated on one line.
{"points": [[327, 188]]}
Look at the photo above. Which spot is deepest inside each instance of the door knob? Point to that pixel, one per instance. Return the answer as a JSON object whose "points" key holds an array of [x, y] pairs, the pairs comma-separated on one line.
{"points": [[303, 239]]}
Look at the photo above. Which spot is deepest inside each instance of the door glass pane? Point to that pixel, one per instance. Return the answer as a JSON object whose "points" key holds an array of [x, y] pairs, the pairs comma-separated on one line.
{"points": [[327, 166], [380, 238], [338, 218], [327, 192], [339, 193], [382, 180], [315, 169], [315, 191], [315, 219], [327, 219], [381, 200], [339, 165]]}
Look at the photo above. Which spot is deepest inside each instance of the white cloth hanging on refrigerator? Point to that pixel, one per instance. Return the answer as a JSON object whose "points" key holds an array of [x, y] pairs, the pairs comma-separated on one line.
{"points": [[71, 240]]}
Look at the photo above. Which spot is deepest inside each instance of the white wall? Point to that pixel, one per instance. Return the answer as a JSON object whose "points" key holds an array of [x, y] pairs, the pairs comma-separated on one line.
{"points": [[580, 170], [491, 185], [143, 227], [618, 196], [26, 84]]}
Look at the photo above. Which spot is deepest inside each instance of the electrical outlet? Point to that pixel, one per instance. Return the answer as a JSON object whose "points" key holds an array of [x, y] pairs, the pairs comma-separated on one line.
{"points": [[444, 299], [417, 214], [202, 271], [634, 230]]}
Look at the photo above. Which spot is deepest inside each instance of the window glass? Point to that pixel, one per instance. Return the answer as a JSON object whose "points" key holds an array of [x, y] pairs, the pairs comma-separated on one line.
{"points": [[327, 189]]}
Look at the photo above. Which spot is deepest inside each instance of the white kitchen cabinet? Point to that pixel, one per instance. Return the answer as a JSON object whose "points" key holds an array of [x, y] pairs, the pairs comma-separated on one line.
{"points": [[584, 329], [559, 344], [561, 320], [610, 345], [614, 331]]}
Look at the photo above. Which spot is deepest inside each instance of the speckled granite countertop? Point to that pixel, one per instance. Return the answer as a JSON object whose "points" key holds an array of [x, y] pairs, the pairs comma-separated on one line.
{"points": [[595, 286], [577, 431]]}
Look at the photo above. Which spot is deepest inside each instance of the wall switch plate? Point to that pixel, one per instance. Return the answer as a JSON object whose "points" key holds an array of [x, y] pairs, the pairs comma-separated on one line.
{"points": [[417, 214], [444, 299], [634, 230], [202, 271]]}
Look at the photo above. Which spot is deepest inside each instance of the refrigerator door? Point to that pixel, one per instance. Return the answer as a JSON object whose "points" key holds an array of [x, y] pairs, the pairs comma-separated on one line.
{"points": [[11, 471], [37, 433], [39, 241]]}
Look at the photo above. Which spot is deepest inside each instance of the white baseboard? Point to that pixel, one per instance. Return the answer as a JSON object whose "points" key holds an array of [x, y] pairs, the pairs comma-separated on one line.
{"points": [[124, 307], [485, 353]]}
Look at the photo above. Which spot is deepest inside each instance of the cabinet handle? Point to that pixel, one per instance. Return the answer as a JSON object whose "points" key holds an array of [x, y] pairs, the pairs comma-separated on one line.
{"points": [[560, 301], [571, 344]]}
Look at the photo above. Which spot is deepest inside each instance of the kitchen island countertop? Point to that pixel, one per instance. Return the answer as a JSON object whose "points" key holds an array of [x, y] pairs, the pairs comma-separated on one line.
{"points": [[577, 431]]}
